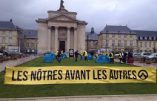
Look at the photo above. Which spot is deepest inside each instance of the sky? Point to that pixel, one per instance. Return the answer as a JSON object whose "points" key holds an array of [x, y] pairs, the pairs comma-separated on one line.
{"points": [[136, 14]]}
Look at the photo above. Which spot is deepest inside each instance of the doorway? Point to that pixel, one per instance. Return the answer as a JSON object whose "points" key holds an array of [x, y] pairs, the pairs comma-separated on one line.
{"points": [[62, 45]]}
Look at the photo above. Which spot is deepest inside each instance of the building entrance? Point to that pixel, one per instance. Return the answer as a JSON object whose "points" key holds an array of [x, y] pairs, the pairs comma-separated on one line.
{"points": [[62, 45]]}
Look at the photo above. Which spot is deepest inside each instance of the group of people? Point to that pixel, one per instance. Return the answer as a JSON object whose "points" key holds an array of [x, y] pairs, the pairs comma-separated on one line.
{"points": [[77, 54], [83, 55], [125, 57]]}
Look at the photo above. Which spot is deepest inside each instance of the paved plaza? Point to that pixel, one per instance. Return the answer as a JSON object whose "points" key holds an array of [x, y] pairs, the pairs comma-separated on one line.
{"points": [[90, 98]]}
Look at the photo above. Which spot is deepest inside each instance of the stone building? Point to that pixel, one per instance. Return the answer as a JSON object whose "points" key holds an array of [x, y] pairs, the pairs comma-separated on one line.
{"points": [[61, 31], [91, 40], [29, 41], [117, 38], [146, 41], [8, 36]]}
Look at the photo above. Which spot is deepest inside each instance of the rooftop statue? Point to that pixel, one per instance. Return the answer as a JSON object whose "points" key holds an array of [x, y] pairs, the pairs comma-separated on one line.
{"points": [[62, 4]]}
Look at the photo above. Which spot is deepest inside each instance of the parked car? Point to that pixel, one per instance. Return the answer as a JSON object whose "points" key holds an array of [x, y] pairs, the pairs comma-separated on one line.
{"points": [[152, 57], [1, 54], [136, 55], [145, 54]]}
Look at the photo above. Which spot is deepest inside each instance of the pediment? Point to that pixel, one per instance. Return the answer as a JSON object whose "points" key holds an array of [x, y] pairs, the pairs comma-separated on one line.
{"points": [[62, 18]]}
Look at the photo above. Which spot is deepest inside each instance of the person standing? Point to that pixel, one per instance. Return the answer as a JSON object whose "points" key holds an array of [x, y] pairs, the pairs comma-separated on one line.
{"points": [[76, 55], [111, 56], [59, 57], [120, 57], [85, 55]]}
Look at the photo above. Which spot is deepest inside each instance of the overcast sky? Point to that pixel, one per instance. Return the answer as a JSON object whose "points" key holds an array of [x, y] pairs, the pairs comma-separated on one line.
{"points": [[136, 14]]}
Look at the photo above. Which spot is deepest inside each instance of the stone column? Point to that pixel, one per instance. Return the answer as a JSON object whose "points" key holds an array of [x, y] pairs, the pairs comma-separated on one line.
{"points": [[49, 39], [75, 39], [56, 38], [68, 39]]}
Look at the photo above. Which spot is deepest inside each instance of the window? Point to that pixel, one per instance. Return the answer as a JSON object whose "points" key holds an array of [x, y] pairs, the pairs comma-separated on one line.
{"points": [[140, 44], [27, 44], [150, 44], [141, 38], [107, 36], [125, 42], [3, 40], [113, 35], [131, 43], [33, 45], [119, 36], [145, 44], [10, 38], [113, 43], [119, 43], [154, 44], [106, 45]]}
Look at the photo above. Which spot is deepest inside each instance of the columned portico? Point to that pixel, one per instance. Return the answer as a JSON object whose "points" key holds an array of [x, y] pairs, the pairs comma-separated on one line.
{"points": [[48, 38], [56, 39], [68, 39], [61, 31], [75, 39]]}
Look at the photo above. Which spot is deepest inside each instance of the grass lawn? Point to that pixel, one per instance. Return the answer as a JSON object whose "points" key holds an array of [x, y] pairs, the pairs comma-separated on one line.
{"points": [[12, 91]]}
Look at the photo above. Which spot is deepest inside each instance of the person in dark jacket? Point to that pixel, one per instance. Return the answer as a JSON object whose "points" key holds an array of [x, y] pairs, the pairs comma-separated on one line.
{"points": [[59, 57], [76, 55]]}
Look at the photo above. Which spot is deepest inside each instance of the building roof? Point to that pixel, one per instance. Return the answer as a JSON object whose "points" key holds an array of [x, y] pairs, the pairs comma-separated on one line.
{"points": [[143, 33], [117, 29], [92, 35], [29, 33], [7, 25]]}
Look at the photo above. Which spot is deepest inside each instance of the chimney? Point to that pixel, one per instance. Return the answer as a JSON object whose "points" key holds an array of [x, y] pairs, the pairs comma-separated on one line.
{"points": [[92, 30], [11, 20]]}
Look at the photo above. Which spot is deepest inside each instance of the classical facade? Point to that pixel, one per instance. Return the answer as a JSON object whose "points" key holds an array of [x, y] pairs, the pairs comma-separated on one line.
{"points": [[117, 38], [61, 31], [29, 39], [122, 38], [8, 36], [146, 40]]}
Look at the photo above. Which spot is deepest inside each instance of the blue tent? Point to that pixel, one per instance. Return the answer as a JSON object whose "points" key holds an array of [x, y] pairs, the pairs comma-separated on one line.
{"points": [[90, 57], [64, 56], [49, 57], [103, 59]]}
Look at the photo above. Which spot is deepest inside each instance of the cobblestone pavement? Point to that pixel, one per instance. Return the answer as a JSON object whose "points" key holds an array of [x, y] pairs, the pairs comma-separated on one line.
{"points": [[13, 63], [92, 98], [146, 65]]}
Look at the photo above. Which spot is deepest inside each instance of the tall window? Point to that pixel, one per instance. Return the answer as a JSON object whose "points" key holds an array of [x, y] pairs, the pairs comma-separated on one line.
{"points": [[119, 43], [140, 44], [125, 42], [150, 44], [106, 45], [113, 43], [27, 44], [113, 35], [3, 40], [131, 43], [107, 35], [145, 44], [119, 36]]}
